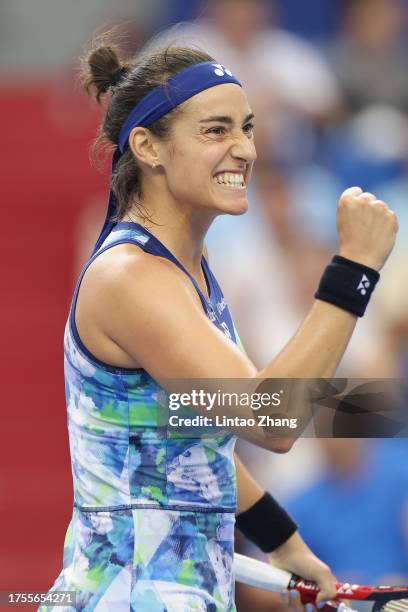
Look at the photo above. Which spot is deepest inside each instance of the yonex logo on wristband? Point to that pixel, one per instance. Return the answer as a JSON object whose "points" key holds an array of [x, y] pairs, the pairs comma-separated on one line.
{"points": [[221, 70], [347, 284], [363, 285]]}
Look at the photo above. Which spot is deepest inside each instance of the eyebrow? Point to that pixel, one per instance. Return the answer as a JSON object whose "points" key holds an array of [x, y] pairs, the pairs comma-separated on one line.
{"points": [[225, 119]]}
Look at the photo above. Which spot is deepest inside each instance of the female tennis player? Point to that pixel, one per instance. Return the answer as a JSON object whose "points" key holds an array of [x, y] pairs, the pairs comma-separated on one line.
{"points": [[154, 512]]}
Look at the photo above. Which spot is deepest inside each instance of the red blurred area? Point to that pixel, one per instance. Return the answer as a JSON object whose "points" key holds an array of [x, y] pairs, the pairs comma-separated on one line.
{"points": [[46, 180]]}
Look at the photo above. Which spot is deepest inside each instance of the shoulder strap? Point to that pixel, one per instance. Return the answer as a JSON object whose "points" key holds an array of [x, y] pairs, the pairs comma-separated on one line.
{"points": [[128, 232]]}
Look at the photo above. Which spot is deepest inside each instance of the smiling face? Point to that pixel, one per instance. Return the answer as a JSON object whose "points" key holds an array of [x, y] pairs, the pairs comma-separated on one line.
{"points": [[208, 158]]}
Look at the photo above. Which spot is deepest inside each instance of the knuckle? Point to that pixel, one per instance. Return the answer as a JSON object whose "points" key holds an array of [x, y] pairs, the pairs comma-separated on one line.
{"points": [[354, 190], [351, 192], [366, 195], [326, 573]]}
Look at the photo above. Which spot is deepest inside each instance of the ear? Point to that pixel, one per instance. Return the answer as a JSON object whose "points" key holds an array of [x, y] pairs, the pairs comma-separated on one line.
{"points": [[143, 146]]}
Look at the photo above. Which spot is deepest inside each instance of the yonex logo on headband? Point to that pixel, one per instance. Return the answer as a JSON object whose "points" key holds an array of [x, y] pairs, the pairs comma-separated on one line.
{"points": [[221, 70]]}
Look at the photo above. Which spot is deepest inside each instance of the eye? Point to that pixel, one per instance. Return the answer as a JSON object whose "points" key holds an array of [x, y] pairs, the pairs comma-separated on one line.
{"points": [[249, 127], [217, 129]]}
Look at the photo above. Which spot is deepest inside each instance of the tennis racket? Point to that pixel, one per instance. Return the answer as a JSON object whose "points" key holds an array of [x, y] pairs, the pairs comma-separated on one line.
{"points": [[265, 576]]}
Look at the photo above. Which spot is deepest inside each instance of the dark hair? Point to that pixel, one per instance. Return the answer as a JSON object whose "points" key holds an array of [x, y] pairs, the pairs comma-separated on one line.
{"points": [[100, 70]]}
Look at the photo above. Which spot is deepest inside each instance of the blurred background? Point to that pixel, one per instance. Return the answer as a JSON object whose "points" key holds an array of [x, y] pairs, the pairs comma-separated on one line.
{"points": [[328, 82]]}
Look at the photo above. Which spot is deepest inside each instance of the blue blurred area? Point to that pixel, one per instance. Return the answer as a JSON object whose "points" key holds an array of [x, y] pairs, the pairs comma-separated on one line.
{"points": [[359, 510], [315, 20], [184, 11]]}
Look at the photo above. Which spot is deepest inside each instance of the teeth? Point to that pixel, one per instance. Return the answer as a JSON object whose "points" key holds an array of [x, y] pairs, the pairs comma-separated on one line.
{"points": [[230, 179]]}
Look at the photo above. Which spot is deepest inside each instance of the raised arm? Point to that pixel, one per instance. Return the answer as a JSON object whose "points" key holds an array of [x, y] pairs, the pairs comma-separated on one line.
{"points": [[150, 309]]}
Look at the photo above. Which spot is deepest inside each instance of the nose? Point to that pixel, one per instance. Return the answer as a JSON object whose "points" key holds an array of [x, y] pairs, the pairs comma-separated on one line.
{"points": [[244, 148]]}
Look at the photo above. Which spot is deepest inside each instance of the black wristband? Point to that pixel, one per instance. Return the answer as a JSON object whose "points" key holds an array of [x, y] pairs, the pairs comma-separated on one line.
{"points": [[347, 284], [266, 524]]}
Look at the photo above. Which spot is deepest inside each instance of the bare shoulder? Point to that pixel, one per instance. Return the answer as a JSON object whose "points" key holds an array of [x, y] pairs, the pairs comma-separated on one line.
{"points": [[128, 268], [124, 293]]}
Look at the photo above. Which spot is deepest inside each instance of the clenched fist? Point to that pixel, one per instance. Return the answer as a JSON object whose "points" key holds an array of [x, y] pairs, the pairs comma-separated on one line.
{"points": [[367, 228]]}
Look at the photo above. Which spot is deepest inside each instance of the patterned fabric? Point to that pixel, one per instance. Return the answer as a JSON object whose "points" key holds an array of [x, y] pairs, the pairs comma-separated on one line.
{"points": [[154, 512], [148, 561]]}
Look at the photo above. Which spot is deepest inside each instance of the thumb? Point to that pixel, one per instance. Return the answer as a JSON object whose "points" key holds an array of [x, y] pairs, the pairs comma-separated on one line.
{"points": [[327, 585]]}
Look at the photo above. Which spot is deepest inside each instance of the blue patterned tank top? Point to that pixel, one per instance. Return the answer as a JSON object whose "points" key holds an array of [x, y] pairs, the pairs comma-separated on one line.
{"points": [[123, 453]]}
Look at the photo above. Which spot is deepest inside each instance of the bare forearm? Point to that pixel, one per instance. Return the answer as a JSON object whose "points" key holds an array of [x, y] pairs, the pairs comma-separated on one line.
{"points": [[295, 556], [249, 491], [317, 347]]}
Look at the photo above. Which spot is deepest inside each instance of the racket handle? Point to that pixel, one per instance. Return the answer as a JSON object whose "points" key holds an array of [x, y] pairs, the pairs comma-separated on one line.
{"points": [[259, 574]]}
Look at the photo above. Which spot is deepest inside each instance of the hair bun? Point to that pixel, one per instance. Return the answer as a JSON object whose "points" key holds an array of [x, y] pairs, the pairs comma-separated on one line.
{"points": [[102, 69]]}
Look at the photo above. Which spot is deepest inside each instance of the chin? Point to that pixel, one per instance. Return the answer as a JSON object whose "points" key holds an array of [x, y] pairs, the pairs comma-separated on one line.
{"points": [[239, 207], [237, 210]]}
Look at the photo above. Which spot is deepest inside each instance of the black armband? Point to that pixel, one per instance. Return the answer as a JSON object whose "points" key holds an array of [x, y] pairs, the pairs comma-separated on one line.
{"points": [[266, 524], [347, 284]]}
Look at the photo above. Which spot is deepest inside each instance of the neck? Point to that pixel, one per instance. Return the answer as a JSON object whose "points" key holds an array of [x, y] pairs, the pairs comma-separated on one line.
{"points": [[179, 227]]}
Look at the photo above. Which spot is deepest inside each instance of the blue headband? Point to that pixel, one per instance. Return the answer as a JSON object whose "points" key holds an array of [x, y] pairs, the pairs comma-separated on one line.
{"points": [[158, 102], [177, 90]]}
